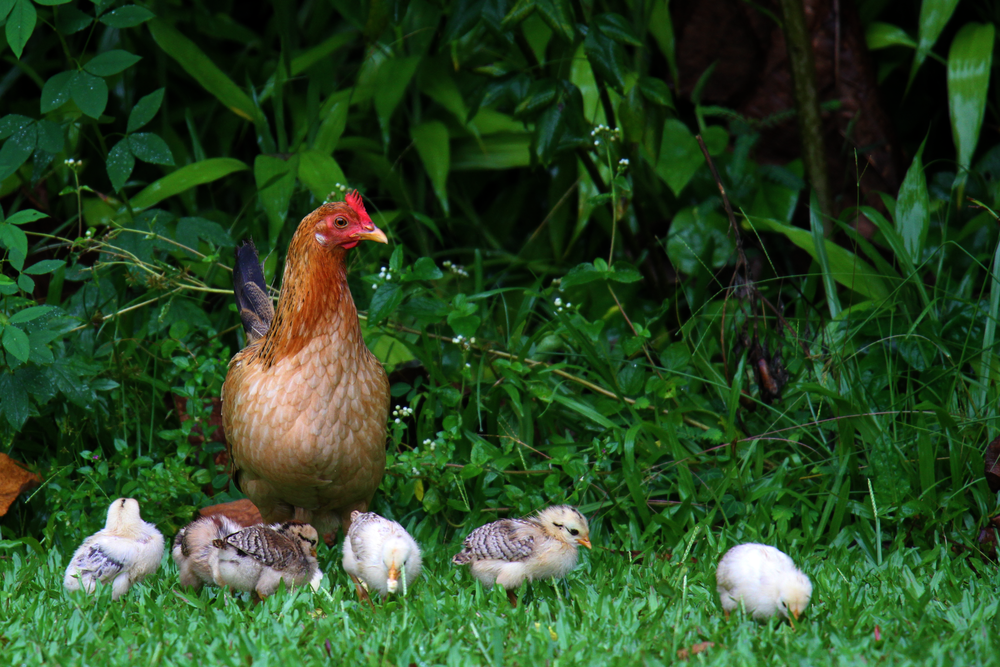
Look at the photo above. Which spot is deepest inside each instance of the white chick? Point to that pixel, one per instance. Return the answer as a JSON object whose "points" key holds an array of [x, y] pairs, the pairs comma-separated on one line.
{"points": [[511, 551], [193, 551], [260, 557], [377, 550], [762, 579], [123, 553]]}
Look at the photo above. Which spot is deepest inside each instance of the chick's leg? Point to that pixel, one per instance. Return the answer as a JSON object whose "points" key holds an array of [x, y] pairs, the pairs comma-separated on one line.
{"points": [[512, 598], [362, 592]]}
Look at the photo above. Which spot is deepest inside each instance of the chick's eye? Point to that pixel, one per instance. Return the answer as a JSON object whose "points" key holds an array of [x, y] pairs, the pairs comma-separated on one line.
{"points": [[557, 525], [574, 531], [340, 223]]}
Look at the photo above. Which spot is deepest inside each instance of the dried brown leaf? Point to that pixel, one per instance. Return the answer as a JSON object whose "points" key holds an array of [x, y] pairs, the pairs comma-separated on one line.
{"points": [[14, 480], [695, 649], [242, 512]]}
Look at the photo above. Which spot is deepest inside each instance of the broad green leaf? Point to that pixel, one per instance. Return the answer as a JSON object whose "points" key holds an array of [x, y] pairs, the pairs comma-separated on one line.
{"points": [[934, 15], [617, 28], [205, 72], [656, 91], [332, 128], [845, 267], [661, 26], [44, 266], [20, 25], [498, 151], [55, 92], [521, 10], [144, 110], [128, 16], [5, 7], [816, 227], [32, 312], [90, 93], [15, 240], [320, 173], [26, 216], [50, 136], [913, 208], [111, 62], [558, 15], [11, 123], [16, 343], [606, 58], [464, 325], [120, 164], [275, 184], [691, 232], [883, 35], [24, 281], [395, 76], [18, 148], [321, 51], [895, 241], [432, 144], [680, 155], [384, 302], [969, 63], [71, 20], [149, 147], [186, 178], [424, 269], [52, 2]]}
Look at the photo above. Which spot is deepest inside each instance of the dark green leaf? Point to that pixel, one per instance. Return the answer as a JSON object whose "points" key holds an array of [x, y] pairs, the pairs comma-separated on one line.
{"points": [[384, 303], [883, 35], [5, 7], [31, 313], [90, 93], [540, 95], [275, 185], [622, 272], [51, 2], [464, 325], [26, 216], [70, 20], [465, 14], [128, 16], [17, 149], [680, 155], [144, 110], [549, 129], [969, 62], [111, 62], [630, 378], [15, 342], [425, 269], [15, 404], [50, 136], [190, 230], [55, 92], [321, 174], [934, 15], [186, 178], [120, 164], [692, 231], [15, 240], [432, 144], [44, 266], [581, 274], [20, 25], [656, 91], [521, 10], [558, 15], [149, 147], [913, 209], [606, 58], [11, 123], [26, 283], [617, 28]]}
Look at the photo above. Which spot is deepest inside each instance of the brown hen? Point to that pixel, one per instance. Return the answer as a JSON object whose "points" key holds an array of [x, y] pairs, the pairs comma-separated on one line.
{"points": [[305, 404]]}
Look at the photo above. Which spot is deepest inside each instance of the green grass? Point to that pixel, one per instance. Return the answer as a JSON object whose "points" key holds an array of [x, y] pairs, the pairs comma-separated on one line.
{"points": [[931, 607]]}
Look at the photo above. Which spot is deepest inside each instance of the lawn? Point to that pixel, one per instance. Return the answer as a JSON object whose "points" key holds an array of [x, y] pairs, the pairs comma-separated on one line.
{"points": [[917, 607]]}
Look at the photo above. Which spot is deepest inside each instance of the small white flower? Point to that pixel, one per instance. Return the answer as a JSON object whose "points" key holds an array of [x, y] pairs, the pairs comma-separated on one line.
{"points": [[427, 441], [397, 420], [432, 446], [597, 143], [374, 286], [473, 340], [623, 162], [558, 301], [468, 365]]}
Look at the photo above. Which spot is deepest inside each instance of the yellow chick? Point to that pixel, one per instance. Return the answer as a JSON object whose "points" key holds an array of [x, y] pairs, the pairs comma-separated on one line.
{"points": [[763, 580], [377, 551], [511, 551], [260, 557], [126, 551], [193, 551]]}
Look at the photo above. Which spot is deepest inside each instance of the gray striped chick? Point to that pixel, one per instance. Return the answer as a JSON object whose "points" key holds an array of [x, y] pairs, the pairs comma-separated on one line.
{"points": [[193, 551], [126, 551], [377, 551], [260, 557], [511, 551]]}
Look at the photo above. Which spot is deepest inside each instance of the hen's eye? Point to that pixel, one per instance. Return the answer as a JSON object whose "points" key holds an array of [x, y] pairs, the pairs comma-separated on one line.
{"points": [[574, 531], [557, 525], [340, 223]]}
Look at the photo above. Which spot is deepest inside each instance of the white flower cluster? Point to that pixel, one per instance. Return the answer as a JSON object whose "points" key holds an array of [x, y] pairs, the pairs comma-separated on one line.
{"points": [[338, 193], [456, 268], [560, 306], [600, 130], [466, 343], [623, 162], [73, 164], [430, 444], [401, 411], [383, 274]]}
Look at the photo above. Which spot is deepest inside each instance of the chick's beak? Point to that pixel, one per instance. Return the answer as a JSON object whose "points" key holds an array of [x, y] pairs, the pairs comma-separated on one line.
{"points": [[373, 234], [584, 541], [393, 583]]}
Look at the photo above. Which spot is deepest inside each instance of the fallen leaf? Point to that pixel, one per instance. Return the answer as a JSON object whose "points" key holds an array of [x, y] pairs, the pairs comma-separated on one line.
{"points": [[993, 465], [242, 512], [14, 480], [695, 649]]}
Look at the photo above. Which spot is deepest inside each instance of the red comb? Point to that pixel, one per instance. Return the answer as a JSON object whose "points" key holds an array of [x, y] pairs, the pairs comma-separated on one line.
{"points": [[353, 200]]}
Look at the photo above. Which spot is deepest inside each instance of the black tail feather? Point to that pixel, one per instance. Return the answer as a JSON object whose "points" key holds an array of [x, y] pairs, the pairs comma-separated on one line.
{"points": [[252, 300]]}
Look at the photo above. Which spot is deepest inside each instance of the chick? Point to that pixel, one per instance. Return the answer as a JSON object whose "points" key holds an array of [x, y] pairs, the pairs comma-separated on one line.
{"points": [[193, 551], [123, 553], [260, 557], [764, 580], [377, 551], [510, 551]]}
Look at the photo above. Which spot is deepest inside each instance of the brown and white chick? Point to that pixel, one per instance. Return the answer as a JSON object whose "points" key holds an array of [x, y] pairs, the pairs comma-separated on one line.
{"points": [[511, 551], [379, 552], [193, 550], [260, 557], [763, 580], [123, 553]]}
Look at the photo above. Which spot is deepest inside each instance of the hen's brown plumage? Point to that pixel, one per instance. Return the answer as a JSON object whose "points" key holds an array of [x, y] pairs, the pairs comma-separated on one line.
{"points": [[305, 406]]}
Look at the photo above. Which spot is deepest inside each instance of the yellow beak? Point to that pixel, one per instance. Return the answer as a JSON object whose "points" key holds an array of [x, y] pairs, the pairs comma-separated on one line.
{"points": [[373, 234], [584, 541]]}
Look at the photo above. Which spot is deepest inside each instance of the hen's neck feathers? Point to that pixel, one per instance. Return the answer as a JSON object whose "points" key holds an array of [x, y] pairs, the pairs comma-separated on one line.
{"points": [[314, 300]]}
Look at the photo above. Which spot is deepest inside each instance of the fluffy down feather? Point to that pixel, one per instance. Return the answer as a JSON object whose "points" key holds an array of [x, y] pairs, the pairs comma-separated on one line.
{"points": [[126, 551], [762, 579], [193, 551], [260, 557], [377, 551]]}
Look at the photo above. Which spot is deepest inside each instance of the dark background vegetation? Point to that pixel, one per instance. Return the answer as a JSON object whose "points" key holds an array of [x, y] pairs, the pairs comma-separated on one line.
{"points": [[562, 304]]}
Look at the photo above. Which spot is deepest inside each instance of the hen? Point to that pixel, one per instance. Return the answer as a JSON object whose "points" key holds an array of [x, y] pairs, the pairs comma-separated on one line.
{"points": [[305, 404]]}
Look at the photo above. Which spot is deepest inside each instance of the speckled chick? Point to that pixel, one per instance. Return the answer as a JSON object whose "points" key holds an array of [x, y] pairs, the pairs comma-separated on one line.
{"points": [[193, 550], [377, 551], [260, 557], [511, 551], [762, 579], [126, 551]]}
